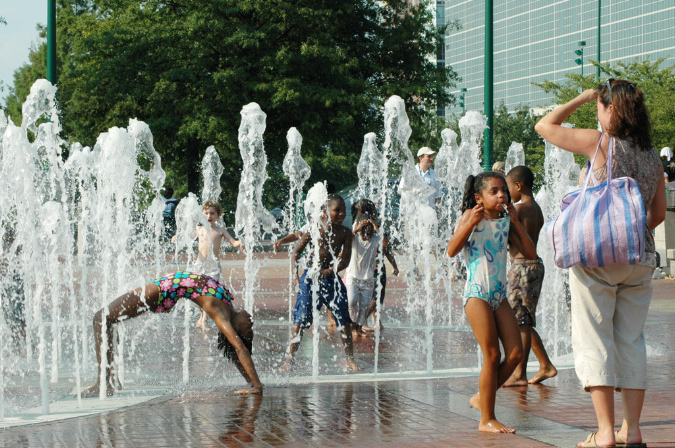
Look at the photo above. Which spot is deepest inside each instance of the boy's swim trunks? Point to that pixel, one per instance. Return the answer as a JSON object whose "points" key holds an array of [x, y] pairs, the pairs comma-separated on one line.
{"points": [[332, 293], [525, 279]]}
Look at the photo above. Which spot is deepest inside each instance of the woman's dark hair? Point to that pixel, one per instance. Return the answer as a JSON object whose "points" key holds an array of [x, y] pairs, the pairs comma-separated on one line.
{"points": [[365, 206], [476, 184], [228, 349], [629, 119]]}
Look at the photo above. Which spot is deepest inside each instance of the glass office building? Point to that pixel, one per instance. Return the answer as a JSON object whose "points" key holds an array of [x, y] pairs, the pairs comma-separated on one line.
{"points": [[535, 40]]}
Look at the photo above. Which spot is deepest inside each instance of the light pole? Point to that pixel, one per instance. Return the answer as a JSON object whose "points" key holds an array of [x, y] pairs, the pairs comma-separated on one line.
{"points": [[580, 52], [488, 87], [51, 41], [599, 35], [462, 102]]}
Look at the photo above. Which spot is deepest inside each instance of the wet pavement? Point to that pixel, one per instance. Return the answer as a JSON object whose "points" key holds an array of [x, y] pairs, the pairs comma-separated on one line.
{"points": [[358, 410]]}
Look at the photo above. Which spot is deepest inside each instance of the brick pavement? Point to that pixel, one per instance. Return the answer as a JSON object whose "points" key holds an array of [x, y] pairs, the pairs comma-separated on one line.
{"points": [[401, 413]]}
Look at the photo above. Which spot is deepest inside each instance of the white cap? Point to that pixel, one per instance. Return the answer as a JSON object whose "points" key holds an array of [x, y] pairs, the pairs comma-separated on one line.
{"points": [[424, 150], [666, 151]]}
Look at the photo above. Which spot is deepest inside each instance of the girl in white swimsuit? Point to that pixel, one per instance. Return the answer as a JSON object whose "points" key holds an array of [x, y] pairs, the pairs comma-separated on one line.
{"points": [[483, 234]]}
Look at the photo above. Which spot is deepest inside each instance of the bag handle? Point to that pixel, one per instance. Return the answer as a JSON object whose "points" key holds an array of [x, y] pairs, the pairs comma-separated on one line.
{"points": [[591, 164]]}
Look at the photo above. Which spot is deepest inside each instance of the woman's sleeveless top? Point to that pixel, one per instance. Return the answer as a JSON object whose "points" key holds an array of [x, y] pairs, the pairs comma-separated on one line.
{"points": [[645, 168]]}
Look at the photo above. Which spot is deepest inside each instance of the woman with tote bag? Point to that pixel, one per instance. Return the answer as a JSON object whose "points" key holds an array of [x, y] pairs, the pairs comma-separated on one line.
{"points": [[610, 303]]}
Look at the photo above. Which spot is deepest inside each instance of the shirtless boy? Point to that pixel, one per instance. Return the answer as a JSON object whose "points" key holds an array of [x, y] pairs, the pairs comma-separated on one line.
{"points": [[335, 249], [208, 258], [525, 279]]}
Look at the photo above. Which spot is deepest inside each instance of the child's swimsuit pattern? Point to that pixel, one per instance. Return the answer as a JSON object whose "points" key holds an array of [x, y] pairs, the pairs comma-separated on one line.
{"points": [[188, 285], [485, 253]]}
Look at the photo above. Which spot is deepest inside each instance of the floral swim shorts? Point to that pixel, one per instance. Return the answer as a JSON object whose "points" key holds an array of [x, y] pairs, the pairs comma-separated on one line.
{"points": [[189, 285]]}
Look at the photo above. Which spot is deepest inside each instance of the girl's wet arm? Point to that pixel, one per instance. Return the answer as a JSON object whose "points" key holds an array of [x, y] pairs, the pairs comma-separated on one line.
{"points": [[463, 231]]}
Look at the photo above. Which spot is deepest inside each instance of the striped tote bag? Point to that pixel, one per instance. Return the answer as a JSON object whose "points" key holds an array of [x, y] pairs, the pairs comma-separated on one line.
{"points": [[601, 225]]}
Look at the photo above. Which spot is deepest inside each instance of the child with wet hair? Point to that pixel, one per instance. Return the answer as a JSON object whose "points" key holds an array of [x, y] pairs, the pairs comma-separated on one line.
{"points": [[368, 208], [489, 224], [525, 279], [210, 240], [160, 296], [334, 252], [360, 276]]}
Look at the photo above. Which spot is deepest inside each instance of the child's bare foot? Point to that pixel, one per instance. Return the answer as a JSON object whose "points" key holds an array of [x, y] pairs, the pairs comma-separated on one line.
{"points": [[201, 323], [475, 401], [515, 381], [495, 426], [368, 329], [286, 366], [352, 365], [358, 331], [94, 390], [544, 374]]}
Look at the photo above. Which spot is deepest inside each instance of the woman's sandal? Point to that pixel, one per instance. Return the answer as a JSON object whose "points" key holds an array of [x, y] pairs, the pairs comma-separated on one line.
{"points": [[590, 442], [627, 445]]}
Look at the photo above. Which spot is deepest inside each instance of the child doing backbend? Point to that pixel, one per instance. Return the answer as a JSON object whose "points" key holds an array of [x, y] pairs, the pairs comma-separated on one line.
{"points": [[484, 235], [160, 296]]}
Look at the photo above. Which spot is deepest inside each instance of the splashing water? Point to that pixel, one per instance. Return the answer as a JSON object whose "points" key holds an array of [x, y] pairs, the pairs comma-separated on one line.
{"points": [[212, 171], [471, 127], [251, 218], [560, 178], [315, 208], [77, 232], [420, 223], [298, 171], [515, 156]]}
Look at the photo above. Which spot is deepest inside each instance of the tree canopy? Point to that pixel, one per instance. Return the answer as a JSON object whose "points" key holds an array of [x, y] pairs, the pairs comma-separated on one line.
{"points": [[656, 82], [187, 67]]}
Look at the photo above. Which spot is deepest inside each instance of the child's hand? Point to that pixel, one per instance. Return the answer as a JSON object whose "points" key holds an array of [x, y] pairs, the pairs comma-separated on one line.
{"points": [[276, 245], [511, 211], [395, 272], [476, 214]]}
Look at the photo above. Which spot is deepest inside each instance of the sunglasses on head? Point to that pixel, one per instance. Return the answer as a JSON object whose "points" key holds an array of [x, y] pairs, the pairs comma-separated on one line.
{"points": [[609, 82]]}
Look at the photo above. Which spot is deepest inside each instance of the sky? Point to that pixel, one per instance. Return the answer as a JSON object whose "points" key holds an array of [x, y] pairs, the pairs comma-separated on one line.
{"points": [[16, 37]]}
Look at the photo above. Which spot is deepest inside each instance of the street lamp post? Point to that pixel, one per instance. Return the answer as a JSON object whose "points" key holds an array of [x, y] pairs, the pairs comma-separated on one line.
{"points": [[599, 35], [488, 87], [51, 41], [462, 97], [580, 52]]}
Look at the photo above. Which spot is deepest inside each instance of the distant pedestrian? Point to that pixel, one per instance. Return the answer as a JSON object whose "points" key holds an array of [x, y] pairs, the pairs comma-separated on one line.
{"points": [[668, 164], [425, 155], [499, 167], [169, 213]]}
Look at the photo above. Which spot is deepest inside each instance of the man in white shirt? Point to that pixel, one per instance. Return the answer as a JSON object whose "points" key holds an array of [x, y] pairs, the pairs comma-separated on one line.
{"points": [[425, 155]]}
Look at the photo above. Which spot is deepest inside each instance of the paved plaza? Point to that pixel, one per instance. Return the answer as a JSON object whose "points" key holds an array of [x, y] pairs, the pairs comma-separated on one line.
{"points": [[362, 410]]}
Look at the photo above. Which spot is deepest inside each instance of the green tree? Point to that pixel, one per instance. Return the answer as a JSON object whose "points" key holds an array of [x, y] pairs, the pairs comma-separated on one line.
{"points": [[657, 83], [187, 67], [518, 126]]}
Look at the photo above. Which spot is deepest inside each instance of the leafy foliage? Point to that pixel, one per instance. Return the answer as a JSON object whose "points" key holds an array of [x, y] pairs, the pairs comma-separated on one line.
{"points": [[657, 83], [187, 67]]}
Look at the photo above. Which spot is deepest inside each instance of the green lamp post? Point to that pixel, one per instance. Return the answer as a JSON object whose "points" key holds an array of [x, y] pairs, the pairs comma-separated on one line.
{"points": [[51, 41]]}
